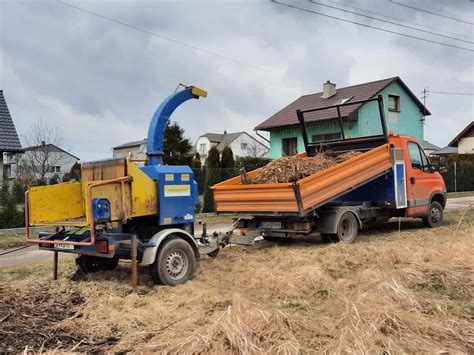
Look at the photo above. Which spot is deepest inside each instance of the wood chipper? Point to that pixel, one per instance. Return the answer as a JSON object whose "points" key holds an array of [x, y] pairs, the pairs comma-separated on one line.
{"points": [[120, 210]]}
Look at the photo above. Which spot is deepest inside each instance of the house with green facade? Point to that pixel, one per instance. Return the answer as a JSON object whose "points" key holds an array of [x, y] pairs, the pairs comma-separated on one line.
{"points": [[404, 114]]}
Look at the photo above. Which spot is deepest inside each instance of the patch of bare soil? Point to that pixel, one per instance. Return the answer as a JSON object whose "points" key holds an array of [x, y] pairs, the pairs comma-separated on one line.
{"points": [[30, 319], [294, 168]]}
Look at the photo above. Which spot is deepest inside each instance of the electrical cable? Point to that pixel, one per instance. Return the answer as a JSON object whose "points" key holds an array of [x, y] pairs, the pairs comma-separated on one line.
{"points": [[372, 27], [390, 22]]}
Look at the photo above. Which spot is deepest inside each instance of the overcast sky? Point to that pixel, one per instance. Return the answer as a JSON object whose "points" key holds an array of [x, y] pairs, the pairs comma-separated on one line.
{"points": [[101, 81]]}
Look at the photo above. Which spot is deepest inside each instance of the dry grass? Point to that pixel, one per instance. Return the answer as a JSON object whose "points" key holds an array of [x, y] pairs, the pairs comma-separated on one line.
{"points": [[392, 291]]}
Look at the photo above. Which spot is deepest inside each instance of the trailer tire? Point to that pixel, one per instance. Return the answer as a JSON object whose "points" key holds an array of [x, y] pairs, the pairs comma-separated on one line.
{"points": [[435, 215], [88, 263], [347, 228], [175, 263]]}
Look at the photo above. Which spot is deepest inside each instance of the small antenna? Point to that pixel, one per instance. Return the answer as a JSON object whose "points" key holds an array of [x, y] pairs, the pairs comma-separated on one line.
{"points": [[425, 93]]}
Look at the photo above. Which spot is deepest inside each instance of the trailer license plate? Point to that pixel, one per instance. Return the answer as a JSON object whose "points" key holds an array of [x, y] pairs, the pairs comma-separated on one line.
{"points": [[63, 246], [271, 225]]}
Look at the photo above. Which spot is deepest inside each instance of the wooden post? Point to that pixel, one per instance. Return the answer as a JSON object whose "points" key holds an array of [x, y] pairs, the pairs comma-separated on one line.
{"points": [[55, 265], [134, 261]]}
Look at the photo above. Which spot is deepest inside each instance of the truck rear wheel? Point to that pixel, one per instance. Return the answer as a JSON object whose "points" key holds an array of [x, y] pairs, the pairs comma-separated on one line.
{"points": [[434, 218], [347, 229], [89, 263], [175, 263]]}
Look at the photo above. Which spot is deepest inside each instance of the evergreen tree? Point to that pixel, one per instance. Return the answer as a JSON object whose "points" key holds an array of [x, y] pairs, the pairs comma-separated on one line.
{"points": [[18, 191], [10, 217], [176, 148], [198, 173], [212, 178], [227, 164]]}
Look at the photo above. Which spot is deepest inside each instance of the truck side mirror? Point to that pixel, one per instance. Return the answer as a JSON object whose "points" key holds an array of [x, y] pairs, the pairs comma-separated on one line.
{"points": [[442, 165]]}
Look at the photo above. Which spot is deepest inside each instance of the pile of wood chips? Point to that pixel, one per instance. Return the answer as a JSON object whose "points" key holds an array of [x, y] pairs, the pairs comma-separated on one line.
{"points": [[294, 168]]}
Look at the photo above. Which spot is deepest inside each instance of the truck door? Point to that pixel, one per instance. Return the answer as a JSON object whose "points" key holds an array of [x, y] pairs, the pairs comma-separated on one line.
{"points": [[420, 180]]}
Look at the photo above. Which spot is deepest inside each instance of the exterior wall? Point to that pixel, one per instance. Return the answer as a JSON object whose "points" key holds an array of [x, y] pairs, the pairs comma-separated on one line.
{"points": [[406, 122], [207, 142], [137, 152], [254, 147], [466, 145], [63, 160]]}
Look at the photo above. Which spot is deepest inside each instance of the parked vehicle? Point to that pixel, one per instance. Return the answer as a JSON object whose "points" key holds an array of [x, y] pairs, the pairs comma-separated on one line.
{"points": [[391, 178]]}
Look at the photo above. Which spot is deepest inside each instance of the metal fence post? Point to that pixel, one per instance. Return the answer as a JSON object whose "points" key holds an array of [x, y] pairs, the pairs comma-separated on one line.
{"points": [[134, 261], [455, 182]]}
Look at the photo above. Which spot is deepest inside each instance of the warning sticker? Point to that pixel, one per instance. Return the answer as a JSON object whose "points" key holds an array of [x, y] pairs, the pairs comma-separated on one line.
{"points": [[169, 177], [177, 190], [184, 177]]}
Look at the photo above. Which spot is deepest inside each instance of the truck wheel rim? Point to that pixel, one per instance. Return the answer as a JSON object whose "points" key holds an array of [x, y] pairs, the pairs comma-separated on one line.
{"points": [[176, 264], [435, 215], [346, 229]]}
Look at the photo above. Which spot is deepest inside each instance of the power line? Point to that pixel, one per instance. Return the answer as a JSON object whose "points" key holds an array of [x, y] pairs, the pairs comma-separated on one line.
{"points": [[385, 16], [373, 27], [430, 12], [390, 22], [451, 93], [184, 44]]}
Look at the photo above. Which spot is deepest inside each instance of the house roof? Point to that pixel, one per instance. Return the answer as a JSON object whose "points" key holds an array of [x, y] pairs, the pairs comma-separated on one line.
{"points": [[287, 115], [466, 132], [430, 146], [445, 151], [213, 137], [51, 148], [131, 144], [9, 141], [227, 139], [223, 140]]}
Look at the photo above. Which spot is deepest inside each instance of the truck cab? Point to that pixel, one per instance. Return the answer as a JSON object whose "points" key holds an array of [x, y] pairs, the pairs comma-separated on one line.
{"points": [[425, 188]]}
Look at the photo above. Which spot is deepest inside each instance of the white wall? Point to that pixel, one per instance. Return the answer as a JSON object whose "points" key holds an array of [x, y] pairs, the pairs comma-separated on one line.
{"points": [[253, 147], [137, 152], [208, 145], [466, 145]]}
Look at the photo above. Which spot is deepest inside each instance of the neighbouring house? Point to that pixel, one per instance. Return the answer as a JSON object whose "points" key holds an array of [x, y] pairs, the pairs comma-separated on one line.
{"points": [[430, 148], [446, 151], [135, 150], [9, 142], [464, 141], [404, 114], [43, 161], [241, 143]]}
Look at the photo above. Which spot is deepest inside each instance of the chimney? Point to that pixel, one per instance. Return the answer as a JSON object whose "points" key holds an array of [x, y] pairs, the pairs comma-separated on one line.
{"points": [[329, 89], [43, 143]]}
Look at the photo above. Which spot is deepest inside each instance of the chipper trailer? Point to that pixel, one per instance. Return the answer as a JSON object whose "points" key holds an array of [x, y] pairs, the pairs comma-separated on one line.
{"points": [[120, 210], [391, 178]]}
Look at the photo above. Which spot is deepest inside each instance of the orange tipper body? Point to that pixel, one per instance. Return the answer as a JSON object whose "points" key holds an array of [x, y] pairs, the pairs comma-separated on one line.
{"points": [[324, 186]]}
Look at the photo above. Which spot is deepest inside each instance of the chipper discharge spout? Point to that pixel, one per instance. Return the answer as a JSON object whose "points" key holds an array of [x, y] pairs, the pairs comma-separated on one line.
{"points": [[122, 209]]}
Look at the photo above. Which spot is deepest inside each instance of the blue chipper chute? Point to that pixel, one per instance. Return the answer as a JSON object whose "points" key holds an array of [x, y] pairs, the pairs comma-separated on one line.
{"points": [[177, 190]]}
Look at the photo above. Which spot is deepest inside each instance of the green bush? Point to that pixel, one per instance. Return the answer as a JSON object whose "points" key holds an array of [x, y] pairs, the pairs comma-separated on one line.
{"points": [[213, 176]]}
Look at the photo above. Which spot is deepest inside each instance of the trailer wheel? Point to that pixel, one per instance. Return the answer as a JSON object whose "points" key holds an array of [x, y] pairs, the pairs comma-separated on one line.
{"points": [[175, 263], [89, 263], [435, 215]]}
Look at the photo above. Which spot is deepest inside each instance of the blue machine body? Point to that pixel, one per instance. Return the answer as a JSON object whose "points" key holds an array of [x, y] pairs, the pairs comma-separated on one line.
{"points": [[177, 193], [101, 210]]}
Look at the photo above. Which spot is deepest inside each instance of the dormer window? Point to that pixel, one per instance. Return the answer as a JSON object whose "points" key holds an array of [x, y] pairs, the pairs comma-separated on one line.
{"points": [[344, 100]]}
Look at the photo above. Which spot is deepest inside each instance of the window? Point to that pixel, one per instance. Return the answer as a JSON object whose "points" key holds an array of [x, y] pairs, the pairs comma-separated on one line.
{"points": [[202, 148], [394, 103], [289, 146], [325, 137], [243, 146], [343, 101], [418, 157], [54, 169]]}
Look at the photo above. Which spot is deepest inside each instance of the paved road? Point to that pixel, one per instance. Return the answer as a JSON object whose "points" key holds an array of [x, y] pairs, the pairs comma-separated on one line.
{"points": [[32, 254]]}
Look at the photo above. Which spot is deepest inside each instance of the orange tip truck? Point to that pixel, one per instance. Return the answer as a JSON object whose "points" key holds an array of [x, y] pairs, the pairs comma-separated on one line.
{"points": [[391, 178]]}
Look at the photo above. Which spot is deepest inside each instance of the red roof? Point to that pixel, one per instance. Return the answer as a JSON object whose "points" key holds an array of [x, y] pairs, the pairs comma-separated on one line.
{"points": [[466, 132], [287, 116]]}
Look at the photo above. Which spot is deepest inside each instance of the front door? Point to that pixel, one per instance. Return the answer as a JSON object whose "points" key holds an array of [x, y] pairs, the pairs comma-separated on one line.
{"points": [[420, 178]]}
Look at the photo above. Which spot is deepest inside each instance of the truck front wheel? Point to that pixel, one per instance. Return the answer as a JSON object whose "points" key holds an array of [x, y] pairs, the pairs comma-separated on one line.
{"points": [[175, 263], [434, 218]]}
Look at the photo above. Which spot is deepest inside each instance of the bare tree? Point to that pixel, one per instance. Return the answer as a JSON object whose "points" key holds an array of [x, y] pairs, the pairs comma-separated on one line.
{"points": [[41, 153], [256, 150]]}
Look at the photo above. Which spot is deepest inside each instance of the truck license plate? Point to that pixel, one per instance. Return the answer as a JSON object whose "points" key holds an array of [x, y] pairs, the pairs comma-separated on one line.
{"points": [[271, 225], [64, 246]]}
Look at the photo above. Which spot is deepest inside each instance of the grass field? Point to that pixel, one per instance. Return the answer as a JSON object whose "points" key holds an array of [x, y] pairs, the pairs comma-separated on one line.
{"points": [[393, 291]]}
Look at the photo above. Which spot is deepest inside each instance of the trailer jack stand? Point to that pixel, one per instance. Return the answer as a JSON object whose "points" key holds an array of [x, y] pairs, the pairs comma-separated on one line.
{"points": [[134, 262]]}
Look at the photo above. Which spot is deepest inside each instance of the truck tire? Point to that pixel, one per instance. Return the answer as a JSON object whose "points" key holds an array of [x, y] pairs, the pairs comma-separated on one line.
{"points": [[175, 263], [89, 263], [347, 229], [435, 215]]}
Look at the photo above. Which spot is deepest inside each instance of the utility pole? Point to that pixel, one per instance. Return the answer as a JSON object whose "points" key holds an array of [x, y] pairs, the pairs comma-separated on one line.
{"points": [[425, 94]]}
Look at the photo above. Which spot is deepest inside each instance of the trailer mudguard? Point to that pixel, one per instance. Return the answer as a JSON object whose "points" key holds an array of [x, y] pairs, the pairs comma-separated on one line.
{"points": [[149, 255]]}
